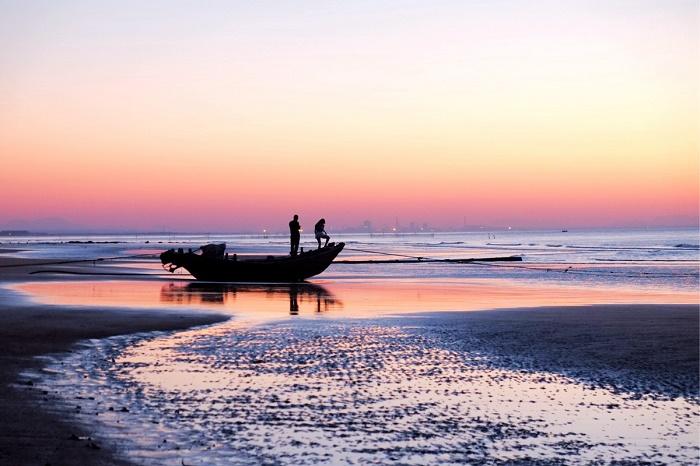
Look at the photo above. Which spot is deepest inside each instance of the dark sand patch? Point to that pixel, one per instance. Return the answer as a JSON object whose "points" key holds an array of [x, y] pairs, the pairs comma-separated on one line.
{"points": [[32, 436], [642, 349]]}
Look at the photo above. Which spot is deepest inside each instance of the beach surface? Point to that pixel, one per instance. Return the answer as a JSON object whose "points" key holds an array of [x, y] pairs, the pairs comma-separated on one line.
{"points": [[30, 431], [150, 371], [493, 387]]}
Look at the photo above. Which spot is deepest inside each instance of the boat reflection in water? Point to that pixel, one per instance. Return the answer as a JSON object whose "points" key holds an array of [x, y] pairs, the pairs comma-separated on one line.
{"points": [[253, 298]]}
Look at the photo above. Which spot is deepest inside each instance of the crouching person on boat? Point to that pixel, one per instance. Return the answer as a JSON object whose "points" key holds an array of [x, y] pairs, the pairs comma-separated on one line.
{"points": [[320, 231]]}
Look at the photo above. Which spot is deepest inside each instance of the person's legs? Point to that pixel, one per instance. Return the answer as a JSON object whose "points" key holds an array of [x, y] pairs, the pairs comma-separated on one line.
{"points": [[295, 245], [318, 238], [327, 239]]}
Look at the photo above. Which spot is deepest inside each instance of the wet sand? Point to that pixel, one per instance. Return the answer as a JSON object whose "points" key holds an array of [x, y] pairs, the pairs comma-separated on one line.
{"points": [[646, 349], [641, 350], [33, 436], [460, 388]]}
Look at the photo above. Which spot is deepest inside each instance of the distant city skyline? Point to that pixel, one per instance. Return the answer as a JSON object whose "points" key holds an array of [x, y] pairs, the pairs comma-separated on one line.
{"points": [[62, 227]]}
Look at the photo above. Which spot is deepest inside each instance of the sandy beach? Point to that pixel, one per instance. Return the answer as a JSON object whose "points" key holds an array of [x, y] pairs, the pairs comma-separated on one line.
{"points": [[634, 348], [349, 233], [629, 352], [30, 435]]}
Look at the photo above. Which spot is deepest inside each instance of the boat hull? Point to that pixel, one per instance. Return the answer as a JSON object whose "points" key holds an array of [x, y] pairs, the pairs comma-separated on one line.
{"points": [[272, 269]]}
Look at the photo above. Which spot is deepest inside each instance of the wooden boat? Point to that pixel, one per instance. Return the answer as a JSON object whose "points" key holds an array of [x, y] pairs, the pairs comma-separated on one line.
{"points": [[211, 263]]}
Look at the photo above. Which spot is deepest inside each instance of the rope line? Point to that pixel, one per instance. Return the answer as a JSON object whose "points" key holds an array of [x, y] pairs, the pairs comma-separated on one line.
{"points": [[389, 254], [74, 272], [569, 269], [76, 261]]}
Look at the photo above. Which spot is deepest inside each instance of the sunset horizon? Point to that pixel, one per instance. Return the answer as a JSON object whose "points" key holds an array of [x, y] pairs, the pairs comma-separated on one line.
{"points": [[277, 226], [237, 116], [365, 232]]}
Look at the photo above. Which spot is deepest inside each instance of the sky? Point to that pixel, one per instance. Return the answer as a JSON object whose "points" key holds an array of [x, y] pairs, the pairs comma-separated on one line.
{"points": [[234, 115]]}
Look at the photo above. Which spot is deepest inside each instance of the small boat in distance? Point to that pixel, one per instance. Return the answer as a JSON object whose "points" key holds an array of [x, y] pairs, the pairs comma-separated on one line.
{"points": [[215, 265]]}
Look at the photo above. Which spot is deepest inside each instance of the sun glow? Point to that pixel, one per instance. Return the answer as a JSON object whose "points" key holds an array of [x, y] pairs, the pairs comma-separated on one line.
{"points": [[234, 117]]}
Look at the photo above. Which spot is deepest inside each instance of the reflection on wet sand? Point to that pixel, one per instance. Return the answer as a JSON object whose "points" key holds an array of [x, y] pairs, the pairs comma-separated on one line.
{"points": [[307, 392], [309, 295], [366, 298]]}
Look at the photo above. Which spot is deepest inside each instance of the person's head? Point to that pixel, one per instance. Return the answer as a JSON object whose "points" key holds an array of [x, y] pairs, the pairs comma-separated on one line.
{"points": [[296, 217], [323, 220]]}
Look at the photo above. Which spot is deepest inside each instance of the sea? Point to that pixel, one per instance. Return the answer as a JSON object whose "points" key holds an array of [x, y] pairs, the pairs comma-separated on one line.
{"points": [[342, 370], [666, 258]]}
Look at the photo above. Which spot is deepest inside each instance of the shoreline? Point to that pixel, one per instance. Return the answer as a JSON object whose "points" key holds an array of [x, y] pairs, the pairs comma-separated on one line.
{"points": [[461, 359], [32, 434]]}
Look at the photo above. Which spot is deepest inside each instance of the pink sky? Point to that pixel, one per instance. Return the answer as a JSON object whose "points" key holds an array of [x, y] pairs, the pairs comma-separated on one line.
{"points": [[234, 117]]}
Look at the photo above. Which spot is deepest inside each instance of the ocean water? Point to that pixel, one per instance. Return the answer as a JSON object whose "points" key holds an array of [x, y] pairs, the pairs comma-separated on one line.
{"points": [[662, 258], [335, 372]]}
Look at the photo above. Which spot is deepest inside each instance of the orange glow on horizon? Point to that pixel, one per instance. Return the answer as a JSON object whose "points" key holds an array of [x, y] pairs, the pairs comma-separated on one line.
{"points": [[500, 116]]}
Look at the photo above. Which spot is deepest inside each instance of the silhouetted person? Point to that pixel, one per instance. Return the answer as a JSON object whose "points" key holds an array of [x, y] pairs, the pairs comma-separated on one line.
{"points": [[294, 235], [320, 232]]}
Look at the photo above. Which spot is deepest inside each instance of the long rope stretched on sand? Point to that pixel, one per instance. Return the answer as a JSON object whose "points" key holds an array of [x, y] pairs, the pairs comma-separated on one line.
{"points": [[571, 270], [110, 274], [487, 262], [407, 259], [77, 261]]}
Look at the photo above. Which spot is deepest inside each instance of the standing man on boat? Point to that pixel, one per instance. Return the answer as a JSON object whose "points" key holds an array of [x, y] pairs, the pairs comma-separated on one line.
{"points": [[320, 232], [294, 234]]}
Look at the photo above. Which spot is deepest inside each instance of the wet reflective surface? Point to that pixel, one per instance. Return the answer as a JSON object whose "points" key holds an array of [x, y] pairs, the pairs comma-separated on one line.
{"points": [[256, 298], [344, 371], [337, 373], [353, 392], [349, 298]]}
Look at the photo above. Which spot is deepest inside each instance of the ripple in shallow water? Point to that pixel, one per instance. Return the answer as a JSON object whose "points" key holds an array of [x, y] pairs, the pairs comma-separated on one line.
{"points": [[364, 392]]}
